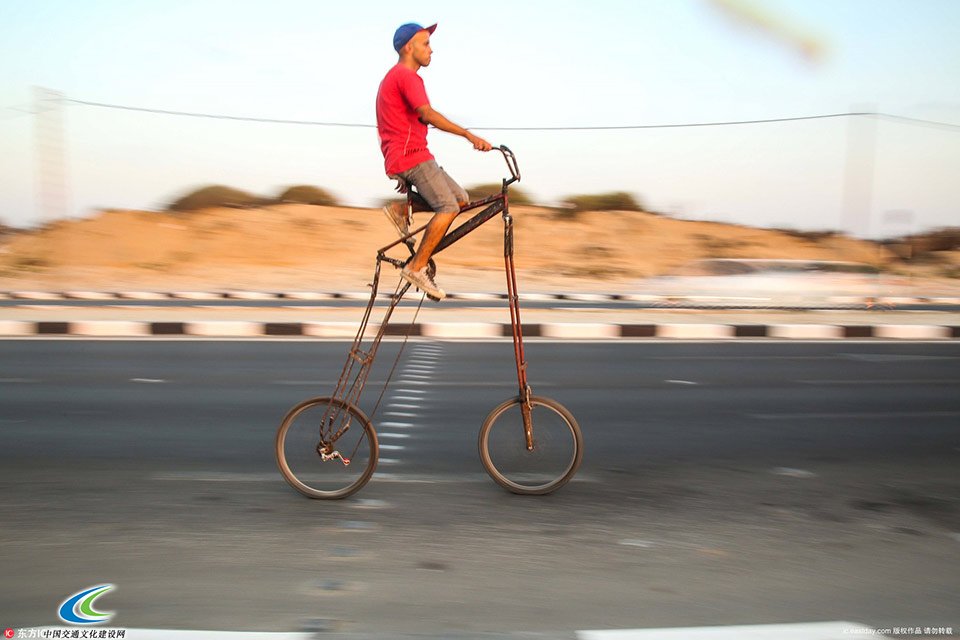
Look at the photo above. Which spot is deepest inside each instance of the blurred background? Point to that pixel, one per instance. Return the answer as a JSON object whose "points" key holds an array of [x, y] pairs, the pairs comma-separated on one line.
{"points": [[785, 163], [809, 117]]}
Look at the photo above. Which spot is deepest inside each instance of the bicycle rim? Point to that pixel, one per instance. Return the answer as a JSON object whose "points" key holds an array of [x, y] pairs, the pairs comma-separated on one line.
{"points": [[556, 454], [301, 433]]}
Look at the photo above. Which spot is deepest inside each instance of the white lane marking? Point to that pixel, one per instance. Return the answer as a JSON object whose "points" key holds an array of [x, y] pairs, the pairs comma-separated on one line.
{"points": [[793, 473], [300, 383], [854, 415], [803, 631], [417, 370], [643, 544], [691, 382], [389, 461], [919, 381], [391, 447], [148, 380], [370, 503], [468, 383], [891, 357]]}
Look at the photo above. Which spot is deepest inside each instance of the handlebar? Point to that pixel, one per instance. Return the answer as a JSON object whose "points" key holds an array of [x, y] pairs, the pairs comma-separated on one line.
{"points": [[511, 161]]}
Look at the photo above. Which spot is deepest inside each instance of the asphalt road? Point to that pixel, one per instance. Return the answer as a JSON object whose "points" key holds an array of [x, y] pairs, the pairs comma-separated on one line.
{"points": [[744, 483]]}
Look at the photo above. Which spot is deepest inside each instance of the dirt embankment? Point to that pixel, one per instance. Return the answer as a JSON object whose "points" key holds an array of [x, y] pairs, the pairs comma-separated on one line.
{"points": [[291, 247]]}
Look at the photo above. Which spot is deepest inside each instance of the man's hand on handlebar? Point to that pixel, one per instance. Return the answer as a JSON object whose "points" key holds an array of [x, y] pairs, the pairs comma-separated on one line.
{"points": [[478, 143]]}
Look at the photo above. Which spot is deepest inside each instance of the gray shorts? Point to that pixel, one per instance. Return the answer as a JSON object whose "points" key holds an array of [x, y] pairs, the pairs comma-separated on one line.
{"points": [[440, 191]]}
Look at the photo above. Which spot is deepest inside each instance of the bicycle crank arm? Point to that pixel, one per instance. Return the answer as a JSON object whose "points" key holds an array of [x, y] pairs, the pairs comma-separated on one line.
{"points": [[335, 456]]}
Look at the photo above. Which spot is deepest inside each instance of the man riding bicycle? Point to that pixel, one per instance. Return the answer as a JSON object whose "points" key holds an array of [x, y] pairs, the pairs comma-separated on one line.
{"points": [[403, 113]]}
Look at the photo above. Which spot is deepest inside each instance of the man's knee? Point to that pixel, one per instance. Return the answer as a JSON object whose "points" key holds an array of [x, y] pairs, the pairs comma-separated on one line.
{"points": [[442, 217], [447, 203]]}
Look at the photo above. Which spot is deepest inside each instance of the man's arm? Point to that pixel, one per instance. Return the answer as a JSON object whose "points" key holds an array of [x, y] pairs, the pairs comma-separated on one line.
{"points": [[430, 116]]}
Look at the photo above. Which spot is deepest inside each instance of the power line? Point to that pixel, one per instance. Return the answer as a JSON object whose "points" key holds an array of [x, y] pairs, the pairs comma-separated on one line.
{"points": [[678, 125], [215, 116], [926, 123], [9, 113]]}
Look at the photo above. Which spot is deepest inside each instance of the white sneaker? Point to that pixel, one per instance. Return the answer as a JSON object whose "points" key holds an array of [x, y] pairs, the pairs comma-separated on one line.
{"points": [[397, 213], [421, 280]]}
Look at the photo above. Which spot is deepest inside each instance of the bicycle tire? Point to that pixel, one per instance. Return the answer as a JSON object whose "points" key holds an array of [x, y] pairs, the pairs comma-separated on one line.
{"points": [[299, 436], [557, 453]]}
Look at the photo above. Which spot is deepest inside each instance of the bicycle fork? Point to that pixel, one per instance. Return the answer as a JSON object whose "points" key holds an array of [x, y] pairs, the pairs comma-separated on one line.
{"points": [[517, 329]]}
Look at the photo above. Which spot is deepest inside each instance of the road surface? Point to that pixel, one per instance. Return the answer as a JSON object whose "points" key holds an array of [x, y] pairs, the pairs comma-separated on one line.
{"points": [[723, 484]]}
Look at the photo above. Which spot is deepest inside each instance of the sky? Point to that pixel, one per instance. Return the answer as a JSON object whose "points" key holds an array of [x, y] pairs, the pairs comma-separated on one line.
{"points": [[506, 64]]}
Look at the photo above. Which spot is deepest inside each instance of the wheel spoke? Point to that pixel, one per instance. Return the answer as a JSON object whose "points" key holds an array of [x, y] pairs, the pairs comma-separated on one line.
{"points": [[557, 446], [300, 454]]}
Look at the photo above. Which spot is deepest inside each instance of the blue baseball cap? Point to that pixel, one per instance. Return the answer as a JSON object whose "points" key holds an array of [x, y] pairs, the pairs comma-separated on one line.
{"points": [[407, 31]]}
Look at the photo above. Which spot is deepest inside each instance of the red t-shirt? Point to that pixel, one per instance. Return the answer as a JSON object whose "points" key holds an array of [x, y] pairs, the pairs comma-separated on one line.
{"points": [[403, 138]]}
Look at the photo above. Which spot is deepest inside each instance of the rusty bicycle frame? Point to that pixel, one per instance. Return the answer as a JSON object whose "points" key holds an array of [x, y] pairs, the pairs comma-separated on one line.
{"points": [[525, 466], [363, 351]]}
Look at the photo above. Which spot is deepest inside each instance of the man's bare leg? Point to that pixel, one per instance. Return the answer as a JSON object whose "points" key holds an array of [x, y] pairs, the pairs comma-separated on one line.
{"points": [[432, 235], [415, 272]]}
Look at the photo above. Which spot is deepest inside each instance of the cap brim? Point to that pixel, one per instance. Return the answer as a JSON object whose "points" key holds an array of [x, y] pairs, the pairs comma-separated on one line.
{"points": [[431, 28]]}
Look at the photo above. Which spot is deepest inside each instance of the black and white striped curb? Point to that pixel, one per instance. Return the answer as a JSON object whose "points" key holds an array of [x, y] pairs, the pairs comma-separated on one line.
{"points": [[470, 330], [641, 298]]}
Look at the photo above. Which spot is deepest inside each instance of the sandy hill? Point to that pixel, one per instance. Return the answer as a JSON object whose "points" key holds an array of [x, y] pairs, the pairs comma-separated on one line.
{"points": [[291, 246]]}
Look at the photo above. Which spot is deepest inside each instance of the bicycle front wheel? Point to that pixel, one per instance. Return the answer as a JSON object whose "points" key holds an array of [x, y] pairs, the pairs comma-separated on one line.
{"points": [[554, 458], [326, 448]]}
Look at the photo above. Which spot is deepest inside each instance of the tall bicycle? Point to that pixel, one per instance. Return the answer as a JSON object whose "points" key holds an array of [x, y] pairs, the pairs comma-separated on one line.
{"points": [[327, 448]]}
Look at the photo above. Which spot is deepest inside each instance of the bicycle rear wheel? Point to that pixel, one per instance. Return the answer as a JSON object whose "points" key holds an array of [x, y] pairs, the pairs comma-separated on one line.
{"points": [[557, 446], [326, 448]]}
